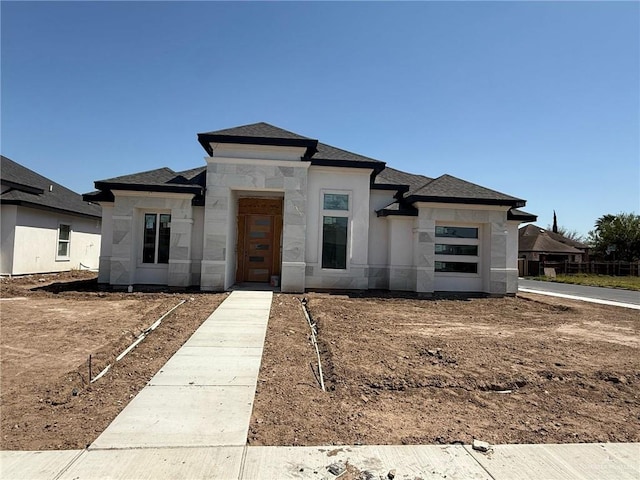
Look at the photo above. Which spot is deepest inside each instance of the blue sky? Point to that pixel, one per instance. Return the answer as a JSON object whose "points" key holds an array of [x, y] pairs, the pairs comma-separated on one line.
{"points": [[536, 99]]}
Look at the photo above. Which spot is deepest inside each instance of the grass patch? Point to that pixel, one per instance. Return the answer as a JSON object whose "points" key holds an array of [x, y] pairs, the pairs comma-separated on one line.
{"points": [[626, 283]]}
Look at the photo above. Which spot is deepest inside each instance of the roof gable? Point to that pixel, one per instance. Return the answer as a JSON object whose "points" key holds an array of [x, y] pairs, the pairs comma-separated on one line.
{"points": [[28, 188]]}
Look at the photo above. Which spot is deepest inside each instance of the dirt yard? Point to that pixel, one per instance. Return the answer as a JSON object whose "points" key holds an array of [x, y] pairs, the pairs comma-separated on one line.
{"points": [[398, 370], [50, 324], [410, 371]]}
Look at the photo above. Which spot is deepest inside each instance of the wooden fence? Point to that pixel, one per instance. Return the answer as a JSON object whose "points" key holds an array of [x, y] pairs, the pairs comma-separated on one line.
{"points": [[531, 268]]}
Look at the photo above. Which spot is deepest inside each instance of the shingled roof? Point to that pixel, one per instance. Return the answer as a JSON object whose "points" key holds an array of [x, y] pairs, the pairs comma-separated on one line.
{"points": [[409, 187], [449, 189], [532, 238], [265, 134], [159, 180], [22, 186]]}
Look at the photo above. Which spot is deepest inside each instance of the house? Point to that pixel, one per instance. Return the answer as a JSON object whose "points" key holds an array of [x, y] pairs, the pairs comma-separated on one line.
{"points": [[272, 205], [45, 226], [539, 244]]}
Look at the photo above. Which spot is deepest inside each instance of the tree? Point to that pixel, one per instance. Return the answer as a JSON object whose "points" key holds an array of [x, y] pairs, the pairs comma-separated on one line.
{"points": [[565, 232], [616, 237]]}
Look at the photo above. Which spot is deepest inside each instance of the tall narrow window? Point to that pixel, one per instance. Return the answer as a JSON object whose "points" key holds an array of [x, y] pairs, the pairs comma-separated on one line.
{"points": [[64, 240], [334, 242], [335, 223], [156, 237]]}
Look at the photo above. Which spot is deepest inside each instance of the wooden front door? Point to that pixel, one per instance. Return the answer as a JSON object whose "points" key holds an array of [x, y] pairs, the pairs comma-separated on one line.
{"points": [[259, 228]]}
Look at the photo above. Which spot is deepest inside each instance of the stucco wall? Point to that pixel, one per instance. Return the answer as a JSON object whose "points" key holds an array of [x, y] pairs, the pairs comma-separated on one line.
{"points": [[36, 242], [379, 240], [402, 243], [352, 181], [106, 246], [8, 214]]}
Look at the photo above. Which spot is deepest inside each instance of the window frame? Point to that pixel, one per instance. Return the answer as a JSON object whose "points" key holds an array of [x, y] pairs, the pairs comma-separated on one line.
{"points": [[156, 241], [452, 241], [67, 242], [337, 213]]}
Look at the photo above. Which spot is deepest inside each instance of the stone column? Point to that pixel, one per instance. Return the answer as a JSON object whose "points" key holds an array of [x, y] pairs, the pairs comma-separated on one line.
{"points": [[179, 274], [498, 262], [294, 229], [122, 251], [216, 227]]}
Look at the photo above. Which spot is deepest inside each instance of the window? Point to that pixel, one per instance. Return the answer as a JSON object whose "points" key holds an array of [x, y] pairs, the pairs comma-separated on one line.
{"points": [[456, 232], [64, 240], [457, 267], [335, 223], [157, 234], [442, 249], [334, 242], [336, 201], [459, 255]]}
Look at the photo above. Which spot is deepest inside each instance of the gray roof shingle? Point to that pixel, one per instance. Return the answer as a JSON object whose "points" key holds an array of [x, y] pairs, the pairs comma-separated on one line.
{"points": [[26, 187], [265, 134], [532, 238], [448, 188], [257, 130], [391, 176], [536, 239]]}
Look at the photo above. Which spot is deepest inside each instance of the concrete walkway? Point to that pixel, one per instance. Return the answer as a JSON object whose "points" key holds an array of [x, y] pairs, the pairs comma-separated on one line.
{"points": [[191, 421]]}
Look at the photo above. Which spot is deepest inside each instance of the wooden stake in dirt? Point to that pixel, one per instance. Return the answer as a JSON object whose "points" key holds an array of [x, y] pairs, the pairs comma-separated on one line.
{"points": [[312, 326], [138, 340]]}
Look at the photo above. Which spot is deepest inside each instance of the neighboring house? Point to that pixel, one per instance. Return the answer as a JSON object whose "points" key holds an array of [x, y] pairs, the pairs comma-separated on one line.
{"points": [[274, 205], [539, 244], [45, 227]]}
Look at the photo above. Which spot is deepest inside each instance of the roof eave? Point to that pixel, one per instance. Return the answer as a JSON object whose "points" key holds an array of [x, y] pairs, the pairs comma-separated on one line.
{"points": [[377, 167], [39, 206], [206, 139], [137, 187], [528, 217], [404, 212], [22, 187], [390, 186], [467, 201]]}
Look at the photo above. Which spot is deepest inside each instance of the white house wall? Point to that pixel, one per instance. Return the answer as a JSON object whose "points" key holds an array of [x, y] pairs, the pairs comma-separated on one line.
{"points": [[106, 247], [356, 183], [379, 240], [8, 215], [402, 243], [36, 242]]}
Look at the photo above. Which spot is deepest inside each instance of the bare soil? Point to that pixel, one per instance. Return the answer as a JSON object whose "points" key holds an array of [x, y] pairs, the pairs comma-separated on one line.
{"points": [[530, 369], [51, 324], [398, 370]]}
